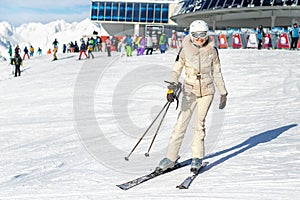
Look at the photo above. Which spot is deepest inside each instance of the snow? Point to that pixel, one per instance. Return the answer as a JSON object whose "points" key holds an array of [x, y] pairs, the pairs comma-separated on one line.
{"points": [[66, 126], [43, 35]]}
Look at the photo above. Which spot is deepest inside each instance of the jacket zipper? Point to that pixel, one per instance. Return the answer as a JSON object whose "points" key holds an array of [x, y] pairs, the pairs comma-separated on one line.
{"points": [[199, 78]]}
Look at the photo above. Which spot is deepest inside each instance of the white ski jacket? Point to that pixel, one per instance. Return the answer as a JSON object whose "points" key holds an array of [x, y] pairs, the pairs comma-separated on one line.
{"points": [[202, 61]]}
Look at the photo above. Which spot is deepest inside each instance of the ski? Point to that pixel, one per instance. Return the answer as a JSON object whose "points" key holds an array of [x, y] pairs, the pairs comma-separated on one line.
{"points": [[142, 179], [187, 182]]}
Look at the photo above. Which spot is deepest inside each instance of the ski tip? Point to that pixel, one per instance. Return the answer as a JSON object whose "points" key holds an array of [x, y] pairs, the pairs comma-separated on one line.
{"points": [[126, 158], [181, 187], [147, 154], [120, 186]]}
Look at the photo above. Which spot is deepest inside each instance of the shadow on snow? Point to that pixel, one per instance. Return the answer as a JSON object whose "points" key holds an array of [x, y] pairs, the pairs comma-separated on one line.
{"points": [[251, 142]]}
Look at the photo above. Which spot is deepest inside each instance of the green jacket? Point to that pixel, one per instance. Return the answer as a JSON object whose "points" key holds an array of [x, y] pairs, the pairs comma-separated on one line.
{"points": [[10, 51], [163, 39]]}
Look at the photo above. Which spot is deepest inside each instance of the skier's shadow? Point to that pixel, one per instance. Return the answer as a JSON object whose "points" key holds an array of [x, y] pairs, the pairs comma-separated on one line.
{"points": [[67, 57], [251, 142]]}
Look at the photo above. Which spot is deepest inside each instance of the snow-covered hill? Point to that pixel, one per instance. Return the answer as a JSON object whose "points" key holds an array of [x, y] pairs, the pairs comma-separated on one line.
{"points": [[42, 35], [65, 127]]}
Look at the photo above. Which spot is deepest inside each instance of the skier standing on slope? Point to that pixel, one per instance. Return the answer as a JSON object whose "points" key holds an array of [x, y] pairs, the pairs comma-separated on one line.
{"points": [[55, 44], [82, 49], [31, 50], [10, 53], [26, 53], [17, 61], [260, 36], [200, 59], [91, 44], [128, 41], [17, 50], [149, 45], [294, 32], [108, 46]]}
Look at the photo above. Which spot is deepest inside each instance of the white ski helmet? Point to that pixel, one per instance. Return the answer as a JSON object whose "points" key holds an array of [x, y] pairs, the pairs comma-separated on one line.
{"points": [[198, 26]]}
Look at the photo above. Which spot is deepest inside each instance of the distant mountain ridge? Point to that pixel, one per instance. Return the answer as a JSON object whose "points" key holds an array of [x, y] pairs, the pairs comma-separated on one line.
{"points": [[42, 35]]}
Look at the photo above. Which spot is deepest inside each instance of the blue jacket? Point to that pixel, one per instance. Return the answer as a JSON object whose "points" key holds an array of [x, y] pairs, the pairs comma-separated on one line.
{"points": [[294, 32], [128, 41], [260, 33]]}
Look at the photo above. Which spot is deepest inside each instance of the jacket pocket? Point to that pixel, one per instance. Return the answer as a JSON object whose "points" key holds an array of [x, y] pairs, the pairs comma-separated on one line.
{"points": [[188, 88], [207, 86], [192, 89]]}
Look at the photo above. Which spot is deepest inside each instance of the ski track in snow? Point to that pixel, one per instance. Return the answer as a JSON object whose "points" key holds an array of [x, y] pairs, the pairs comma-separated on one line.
{"points": [[45, 155]]}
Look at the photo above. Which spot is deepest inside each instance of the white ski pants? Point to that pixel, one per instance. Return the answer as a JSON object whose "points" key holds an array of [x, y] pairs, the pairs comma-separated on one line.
{"points": [[189, 104]]}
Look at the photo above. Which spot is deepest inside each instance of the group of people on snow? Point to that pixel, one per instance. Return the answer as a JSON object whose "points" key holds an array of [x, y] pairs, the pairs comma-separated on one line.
{"points": [[94, 43], [142, 44], [294, 31]]}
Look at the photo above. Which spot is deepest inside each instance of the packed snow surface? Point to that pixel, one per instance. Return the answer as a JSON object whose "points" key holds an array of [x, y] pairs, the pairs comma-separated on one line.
{"points": [[66, 126]]}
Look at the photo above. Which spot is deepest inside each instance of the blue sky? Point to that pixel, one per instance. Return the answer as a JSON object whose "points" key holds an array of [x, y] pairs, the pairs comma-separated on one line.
{"points": [[17, 12]]}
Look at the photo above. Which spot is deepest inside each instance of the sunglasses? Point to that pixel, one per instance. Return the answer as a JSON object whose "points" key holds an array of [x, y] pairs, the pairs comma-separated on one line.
{"points": [[199, 35]]}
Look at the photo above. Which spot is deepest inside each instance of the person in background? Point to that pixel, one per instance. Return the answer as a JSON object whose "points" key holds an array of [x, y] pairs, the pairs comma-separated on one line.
{"points": [[122, 46], [174, 43], [115, 43], [72, 48], [17, 61], [294, 32], [54, 54], [99, 44], [82, 49], [55, 45], [200, 60], [10, 53], [39, 51], [31, 50], [17, 50], [76, 47], [92, 42], [162, 43], [26, 53], [141, 46], [149, 45], [128, 42], [260, 36], [108, 46], [136, 42], [64, 48], [185, 32], [91, 48]]}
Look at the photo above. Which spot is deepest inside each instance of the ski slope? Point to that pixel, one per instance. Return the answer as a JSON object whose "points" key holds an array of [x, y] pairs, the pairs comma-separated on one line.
{"points": [[66, 126]]}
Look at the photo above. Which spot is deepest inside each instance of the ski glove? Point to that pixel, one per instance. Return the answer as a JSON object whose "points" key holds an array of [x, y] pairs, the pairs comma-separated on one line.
{"points": [[173, 86], [223, 100], [170, 95]]}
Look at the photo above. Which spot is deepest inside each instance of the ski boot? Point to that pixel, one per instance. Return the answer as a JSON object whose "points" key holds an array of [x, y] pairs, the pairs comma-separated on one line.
{"points": [[165, 164], [196, 165]]}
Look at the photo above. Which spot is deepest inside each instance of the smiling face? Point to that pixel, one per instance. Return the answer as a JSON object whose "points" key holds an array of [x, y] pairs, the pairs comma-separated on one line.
{"points": [[199, 38]]}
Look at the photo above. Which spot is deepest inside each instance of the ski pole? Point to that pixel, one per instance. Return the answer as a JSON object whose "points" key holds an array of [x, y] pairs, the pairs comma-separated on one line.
{"points": [[162, 119], [127, 157]]}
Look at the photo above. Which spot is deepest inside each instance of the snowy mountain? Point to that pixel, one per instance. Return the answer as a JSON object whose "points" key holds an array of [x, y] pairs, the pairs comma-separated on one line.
{"points": [[65, 127], [42, 35]]}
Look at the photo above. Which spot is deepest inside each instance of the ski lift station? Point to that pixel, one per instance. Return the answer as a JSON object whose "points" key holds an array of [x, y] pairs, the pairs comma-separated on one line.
{"points": [[131, 16]]}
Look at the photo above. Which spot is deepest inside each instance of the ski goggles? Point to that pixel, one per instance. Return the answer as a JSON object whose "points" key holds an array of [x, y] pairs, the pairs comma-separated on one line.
{"points": [[199, 35]]}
